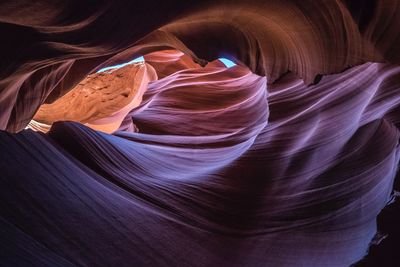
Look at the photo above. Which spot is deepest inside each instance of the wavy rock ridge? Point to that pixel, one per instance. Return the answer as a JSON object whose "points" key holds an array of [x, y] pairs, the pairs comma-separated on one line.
{"points": [[285, 159]]}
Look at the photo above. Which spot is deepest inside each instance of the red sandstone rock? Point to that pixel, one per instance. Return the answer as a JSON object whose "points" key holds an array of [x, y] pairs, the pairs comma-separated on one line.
{"points": [[247, 166]]}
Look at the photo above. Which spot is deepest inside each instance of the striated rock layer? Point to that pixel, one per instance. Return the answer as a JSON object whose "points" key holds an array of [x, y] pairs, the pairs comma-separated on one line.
{"points": [[285, 159]]}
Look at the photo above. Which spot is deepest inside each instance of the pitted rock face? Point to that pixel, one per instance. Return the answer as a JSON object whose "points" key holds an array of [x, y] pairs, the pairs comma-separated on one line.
{"points": [[96, 97], [101, 100]]}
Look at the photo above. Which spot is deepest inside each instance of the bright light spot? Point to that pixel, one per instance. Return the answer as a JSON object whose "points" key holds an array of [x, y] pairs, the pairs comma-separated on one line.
{"points": [[228, 63], [136, 60]]}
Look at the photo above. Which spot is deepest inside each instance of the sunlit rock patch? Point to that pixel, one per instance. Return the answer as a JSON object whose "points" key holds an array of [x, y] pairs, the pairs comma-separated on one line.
{"points": [[101, 100]]}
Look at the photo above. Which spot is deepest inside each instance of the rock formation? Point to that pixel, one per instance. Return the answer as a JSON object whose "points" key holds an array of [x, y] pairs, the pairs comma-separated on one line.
{"points": [[288, 158]]}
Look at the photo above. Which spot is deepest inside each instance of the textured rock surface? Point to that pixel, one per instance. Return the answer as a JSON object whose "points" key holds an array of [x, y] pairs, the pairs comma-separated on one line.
{"points": [[101, 100], [286, 159]]}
